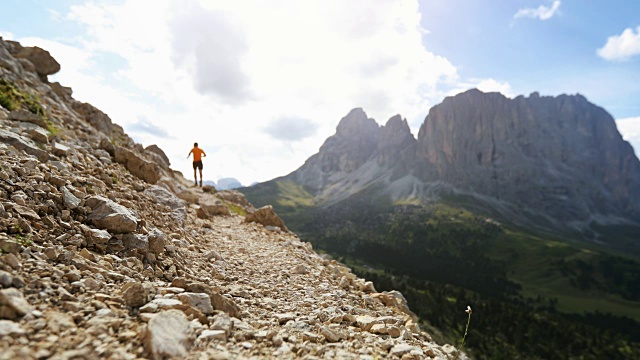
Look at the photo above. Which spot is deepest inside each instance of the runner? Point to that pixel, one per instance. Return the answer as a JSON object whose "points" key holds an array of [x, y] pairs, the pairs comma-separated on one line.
{"points": [[197, 162]]}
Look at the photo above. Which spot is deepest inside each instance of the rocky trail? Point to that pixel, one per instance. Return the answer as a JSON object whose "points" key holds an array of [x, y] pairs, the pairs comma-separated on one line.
{"points": [[107, 253]]}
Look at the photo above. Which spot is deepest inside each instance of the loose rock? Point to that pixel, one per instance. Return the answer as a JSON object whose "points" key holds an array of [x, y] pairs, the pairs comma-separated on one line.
{"points": [[168, 335]]}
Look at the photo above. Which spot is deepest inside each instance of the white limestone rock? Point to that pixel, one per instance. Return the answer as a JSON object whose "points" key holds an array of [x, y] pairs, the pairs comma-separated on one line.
{"points": [[111, 216], [168, 335], [199, 301]]}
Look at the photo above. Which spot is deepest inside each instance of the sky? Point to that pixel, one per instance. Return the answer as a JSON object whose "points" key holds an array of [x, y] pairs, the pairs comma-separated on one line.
{"points": [[261, 84]]}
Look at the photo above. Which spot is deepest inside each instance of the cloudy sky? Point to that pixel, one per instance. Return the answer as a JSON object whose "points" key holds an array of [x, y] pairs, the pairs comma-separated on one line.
{"points": [[261, 84]]}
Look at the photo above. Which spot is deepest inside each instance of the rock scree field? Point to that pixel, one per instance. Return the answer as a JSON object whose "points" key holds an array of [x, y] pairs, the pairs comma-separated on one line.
{"points": [[105, 252]]}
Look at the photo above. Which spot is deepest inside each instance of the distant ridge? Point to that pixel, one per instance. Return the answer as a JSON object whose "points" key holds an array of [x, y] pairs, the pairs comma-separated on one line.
{"points": [[538, 160], [228, 184]]}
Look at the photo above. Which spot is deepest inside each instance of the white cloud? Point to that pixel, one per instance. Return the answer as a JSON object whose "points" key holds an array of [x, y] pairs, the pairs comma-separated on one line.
{"points": [[484, 85], [232, 75], [630, 130], [211, 60], [289, 128], [145, 126], [621, 47], [6, 35], [541, 12]]}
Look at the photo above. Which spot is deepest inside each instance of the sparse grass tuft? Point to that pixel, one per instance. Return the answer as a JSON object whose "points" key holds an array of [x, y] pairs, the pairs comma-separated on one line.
{"points": [[209, 189], [24, 240], [236, 209], [13, 99], [9, 96], [53, 130]]}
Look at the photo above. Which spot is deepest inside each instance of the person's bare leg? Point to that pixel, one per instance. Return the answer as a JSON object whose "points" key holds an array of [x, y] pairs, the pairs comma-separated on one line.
{"points": [[200, 177], [195, 176]]}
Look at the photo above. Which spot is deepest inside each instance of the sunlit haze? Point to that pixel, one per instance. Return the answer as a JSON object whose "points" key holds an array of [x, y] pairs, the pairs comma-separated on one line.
{"points": [[261, 84]]}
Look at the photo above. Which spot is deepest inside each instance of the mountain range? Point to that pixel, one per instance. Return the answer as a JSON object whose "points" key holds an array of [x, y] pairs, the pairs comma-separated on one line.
{"points": [[539, 161], [224, 183]]}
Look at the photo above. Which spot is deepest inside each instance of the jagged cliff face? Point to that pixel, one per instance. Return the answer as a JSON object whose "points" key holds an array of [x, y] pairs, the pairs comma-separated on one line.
{"points": [[396, 145], [559, 159], [341, 154], [360, 153], [562, 157]]}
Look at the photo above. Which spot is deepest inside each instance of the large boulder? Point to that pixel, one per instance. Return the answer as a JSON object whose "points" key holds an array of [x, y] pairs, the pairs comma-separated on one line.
{"points": [[24, 144], [27, 116], [158, 155], [111, 216], [208, 208], [265, 216], [188, 196], [41, 59], [13, 305], [94, 117], [395, 299], [164, 197], [143, 169], [235, 197]]}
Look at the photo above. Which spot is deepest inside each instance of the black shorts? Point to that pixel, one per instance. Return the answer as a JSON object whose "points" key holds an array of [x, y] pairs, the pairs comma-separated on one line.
{"points": [[197, 165]]}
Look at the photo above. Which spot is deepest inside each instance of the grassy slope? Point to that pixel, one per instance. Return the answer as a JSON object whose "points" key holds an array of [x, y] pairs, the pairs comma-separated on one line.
{"points": [[529, 259], [289, 199], [528, 256]]}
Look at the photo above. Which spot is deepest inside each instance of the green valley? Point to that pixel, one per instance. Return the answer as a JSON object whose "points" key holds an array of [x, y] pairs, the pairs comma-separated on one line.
{"points": [[527, 288]]}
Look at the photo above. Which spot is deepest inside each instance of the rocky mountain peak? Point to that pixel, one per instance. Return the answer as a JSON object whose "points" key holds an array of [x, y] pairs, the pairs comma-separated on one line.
{"points": [[358, 141], [396, 145], [352, 144], [559, 156], [396, 124], [33, 58], [357, 124], [394, 133]]}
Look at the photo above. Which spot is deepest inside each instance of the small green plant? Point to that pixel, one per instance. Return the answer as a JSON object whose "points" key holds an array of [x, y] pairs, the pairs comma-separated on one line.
{"points": [[114, 179], [9, 96], [466, 330], [52, 129], [13, 99], [32, 102], [24, 240], [17, 228], [236, 209]]}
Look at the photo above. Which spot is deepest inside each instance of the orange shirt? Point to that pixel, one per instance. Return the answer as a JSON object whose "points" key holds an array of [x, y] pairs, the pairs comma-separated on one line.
{"points": [[197, 154]]}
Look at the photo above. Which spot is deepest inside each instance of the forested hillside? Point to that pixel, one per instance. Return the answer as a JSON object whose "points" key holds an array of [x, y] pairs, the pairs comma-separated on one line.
{"points": [[534, 295]]}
